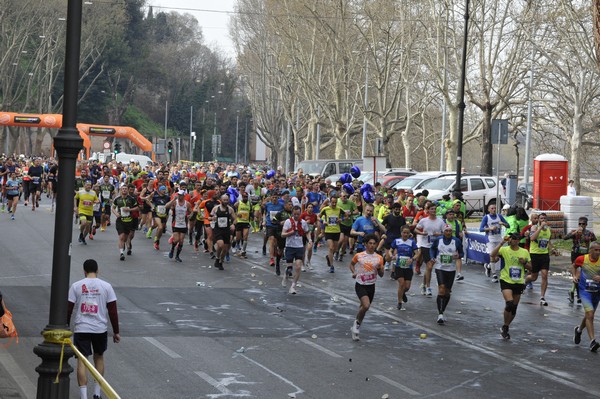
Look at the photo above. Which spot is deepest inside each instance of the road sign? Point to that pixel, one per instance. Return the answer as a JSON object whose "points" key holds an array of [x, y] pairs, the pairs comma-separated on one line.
{"points": [[106, 145], [500, 125]]}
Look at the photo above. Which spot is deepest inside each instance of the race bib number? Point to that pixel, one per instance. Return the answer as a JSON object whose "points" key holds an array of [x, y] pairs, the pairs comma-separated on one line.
{"points": [[591, 285], [543, 243], [222, 222], [96, 207], [272, 215], [409, 219], [403, 262], [446, 259], [87, 203], [332, 220], [515, 273], [36, 180], [89, 308], [161, 209], [583, 250], [105, 194], [124, 213], [368, 278]]}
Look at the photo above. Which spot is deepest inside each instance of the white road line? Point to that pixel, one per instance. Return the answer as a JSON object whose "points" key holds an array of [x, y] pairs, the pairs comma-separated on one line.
{"points": [[21, 379], [220, 387], [397, 385], [25, 276], [319, 347], [162, 348], [282, 378]]}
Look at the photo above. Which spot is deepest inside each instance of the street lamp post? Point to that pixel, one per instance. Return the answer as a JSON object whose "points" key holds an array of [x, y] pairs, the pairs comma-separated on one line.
{"points": [[461, 105], [364, 133], [67, 143], [237, 135], [246, 142]]}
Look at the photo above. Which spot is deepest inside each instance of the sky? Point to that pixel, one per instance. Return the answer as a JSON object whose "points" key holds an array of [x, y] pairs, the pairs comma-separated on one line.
{"points": [[212, 15]]}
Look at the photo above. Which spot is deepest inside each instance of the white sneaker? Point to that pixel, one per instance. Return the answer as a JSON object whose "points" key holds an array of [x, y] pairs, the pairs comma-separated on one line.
{"points": [[387, 266], [429, 293], [309, 266], [293, 289], [355, 331], [441, 319], [423, 289]]}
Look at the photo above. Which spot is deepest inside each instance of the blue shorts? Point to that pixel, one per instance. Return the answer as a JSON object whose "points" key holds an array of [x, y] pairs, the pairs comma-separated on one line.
{"points": [[589, 300]]}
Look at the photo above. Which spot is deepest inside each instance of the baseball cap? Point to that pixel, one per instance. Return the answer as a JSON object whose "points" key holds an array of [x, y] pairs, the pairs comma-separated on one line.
{"points": [[162, 188], [447, 227], [181, 192], [506, 206]]}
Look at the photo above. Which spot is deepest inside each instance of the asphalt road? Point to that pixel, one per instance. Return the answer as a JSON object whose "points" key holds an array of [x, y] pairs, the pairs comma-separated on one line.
{"points": [[190, 331]]}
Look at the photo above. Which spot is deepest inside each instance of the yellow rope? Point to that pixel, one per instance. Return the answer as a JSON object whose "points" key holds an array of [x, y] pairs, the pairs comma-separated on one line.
{"points": [[63, 337]]}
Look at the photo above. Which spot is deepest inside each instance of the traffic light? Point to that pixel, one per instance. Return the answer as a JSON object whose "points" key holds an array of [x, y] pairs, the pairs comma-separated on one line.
{"points": [[117, 148], [170, 147]]}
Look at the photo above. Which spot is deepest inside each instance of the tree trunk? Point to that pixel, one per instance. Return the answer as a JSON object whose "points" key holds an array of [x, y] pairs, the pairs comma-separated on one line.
{"points": [[486, 144], [574, 167], [451, 137]]}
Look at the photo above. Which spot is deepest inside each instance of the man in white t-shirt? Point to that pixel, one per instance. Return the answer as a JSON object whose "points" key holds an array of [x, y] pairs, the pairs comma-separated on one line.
{"points": [[295, 233], [93, 302], [427, 231]]}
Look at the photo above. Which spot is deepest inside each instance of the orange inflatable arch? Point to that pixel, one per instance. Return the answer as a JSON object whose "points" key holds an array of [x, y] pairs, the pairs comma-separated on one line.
{"points": [[54, 121]]}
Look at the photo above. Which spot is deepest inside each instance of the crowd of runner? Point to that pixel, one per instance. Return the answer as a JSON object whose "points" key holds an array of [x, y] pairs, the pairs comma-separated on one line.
{"points": [[214, 207]]}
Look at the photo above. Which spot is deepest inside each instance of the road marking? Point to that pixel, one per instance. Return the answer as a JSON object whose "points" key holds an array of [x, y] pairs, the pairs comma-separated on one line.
{"points": [[162, 348], [26, 276], [219, 386], [17, 374], [282, 378], [319, 347], [397, 385]]}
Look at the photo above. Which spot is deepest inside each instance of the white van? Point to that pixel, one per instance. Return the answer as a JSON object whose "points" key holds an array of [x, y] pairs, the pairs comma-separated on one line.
{"points": [[328, 167], [126, 159]]}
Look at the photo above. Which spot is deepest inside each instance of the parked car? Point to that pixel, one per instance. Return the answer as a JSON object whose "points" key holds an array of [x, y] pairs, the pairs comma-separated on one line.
{"points": [[399, 172], [415, 182], [479, 191]]}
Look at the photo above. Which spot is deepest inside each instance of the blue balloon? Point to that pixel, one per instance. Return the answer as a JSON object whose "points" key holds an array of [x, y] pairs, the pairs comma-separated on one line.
{"points": [[348, 188], [270, 174], [346, 178], [355, 172], [366, 188], [368, 196]]}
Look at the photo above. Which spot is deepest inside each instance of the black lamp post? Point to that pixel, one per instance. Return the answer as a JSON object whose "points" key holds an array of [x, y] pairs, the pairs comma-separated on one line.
{"points": [[461, 105], [68, 144]]}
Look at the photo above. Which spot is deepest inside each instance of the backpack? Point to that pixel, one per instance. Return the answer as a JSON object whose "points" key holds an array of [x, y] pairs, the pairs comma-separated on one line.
{"points": [[8, 329]]}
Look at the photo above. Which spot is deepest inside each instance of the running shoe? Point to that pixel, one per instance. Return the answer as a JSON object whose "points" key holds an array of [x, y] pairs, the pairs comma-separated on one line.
{"points": [[277, 270], [309, 266], [97, 397], [440, 319], [504, 332], [578, 301], [212, 255], [284, 280], [292, 289], [460, 277], [171, 254], [149, 233], [129, 251], [335, 256], [178, 259], [543, 302], [243, 255], [386, 267], [264, 251], [594, 346], [571, 297], [272, 262], [220, 266], [12, 217], [170, 240], [529, 285], [429, 293], [91, 236], [488, 270], [288, 271], [122, 257], [315, 249], [341, 258], [577, 336], [423, 289], [83, 241], [494, 278], [227, 258], [94, 230], [156, 245], [355, 330], [399, 307], [404, 298], [332, 269], [196, 246]]}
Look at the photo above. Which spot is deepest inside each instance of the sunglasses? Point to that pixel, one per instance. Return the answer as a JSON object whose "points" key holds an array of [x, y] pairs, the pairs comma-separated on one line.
{"points": [[583, 224]]}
